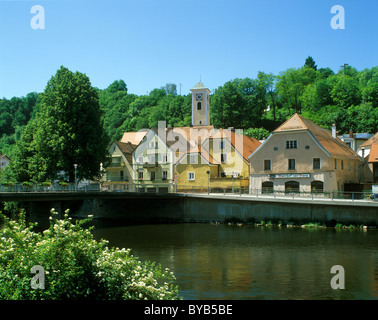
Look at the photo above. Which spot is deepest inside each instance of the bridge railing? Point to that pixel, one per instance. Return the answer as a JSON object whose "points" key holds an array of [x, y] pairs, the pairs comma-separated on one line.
{"points": [[190, 189], [265, 192], [335, 195], [56, 187]]}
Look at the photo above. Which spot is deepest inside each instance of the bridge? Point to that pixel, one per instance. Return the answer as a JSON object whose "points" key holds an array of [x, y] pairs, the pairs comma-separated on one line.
{"points": [[182, 207], [74, 195]]}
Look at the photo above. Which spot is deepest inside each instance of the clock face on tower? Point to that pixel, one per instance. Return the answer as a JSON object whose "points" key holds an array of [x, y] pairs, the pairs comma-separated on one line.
{"points": [[199, 96]]}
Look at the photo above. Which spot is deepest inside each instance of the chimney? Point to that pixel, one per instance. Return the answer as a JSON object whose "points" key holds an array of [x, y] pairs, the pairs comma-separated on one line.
{"points": [[350, 133], [334, 131]]}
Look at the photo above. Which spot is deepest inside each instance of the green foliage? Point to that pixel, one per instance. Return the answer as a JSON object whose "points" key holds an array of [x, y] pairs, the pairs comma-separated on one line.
{"points": [[67, 130], [257, 133], [239, 103], [310, 63], [76, 266]]}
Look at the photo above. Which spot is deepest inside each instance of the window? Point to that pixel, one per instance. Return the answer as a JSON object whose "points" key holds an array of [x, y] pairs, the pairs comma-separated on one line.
{"points": [[162, 158], [199, 106], [165, 175], [223, 157], [151, 158], [267, 187], [291, 164], [140, 159], [121, 175], [317, 186], [291, 144], [316, 163], [151, 144], [342, 164], [221, 145], [335, 163], [152, 175], [267, 165], [193, 158], [291, 186], [191, 176], [140, 175]]}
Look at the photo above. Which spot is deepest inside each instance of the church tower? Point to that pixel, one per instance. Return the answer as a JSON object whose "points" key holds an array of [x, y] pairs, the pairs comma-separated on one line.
{"points": [[200, 105]]}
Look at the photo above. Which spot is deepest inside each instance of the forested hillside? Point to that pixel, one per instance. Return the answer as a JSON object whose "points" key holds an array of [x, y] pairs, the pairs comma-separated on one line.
{"points": [[348, 98]]}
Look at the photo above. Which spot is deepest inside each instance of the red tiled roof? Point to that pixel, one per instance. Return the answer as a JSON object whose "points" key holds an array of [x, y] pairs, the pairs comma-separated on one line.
{"points": [[373, 155], [133, 137], [335, 147], [369, 142], [127, 149]]}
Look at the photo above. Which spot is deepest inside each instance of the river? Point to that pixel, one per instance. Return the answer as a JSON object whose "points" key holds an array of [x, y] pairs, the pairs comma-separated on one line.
{"points": [[233, 262]]}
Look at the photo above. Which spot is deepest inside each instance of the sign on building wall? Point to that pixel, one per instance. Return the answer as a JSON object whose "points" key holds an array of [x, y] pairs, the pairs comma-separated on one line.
{"points": [[289, 176]]}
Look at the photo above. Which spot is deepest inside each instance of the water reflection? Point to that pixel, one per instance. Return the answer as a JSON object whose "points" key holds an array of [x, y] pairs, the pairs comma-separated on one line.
{"points": [[232, 262]]}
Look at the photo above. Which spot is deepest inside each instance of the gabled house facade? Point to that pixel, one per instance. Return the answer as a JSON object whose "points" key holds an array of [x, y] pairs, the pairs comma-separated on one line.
{"points": [[369, 153], [300, 156], [119, 173], [220, 163], [154, 160]]}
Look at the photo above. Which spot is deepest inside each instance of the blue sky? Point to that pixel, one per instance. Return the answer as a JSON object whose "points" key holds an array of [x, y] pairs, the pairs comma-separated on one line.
{"points": [[149, 43]]}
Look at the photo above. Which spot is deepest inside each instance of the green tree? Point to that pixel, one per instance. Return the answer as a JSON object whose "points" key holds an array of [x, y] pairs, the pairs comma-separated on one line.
{"points": [[66, 131], [345, 90], [170, 89], [325, 72], [316, 95], [310, 63], [114, 103], [291, 85], [257, 133], [370, 94], [118, 85], [239, 103]]}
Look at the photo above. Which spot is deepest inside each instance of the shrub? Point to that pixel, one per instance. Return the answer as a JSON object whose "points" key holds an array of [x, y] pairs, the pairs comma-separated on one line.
{"points": [[75, 265]]}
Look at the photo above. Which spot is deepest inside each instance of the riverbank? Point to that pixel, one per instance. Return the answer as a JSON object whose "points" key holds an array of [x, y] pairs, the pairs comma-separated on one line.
{"points": [[310, 225]]}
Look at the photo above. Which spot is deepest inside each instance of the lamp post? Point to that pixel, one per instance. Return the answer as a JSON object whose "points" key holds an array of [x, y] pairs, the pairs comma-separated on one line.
{"points": [[208, 181], [101, 172], [75, 166]]}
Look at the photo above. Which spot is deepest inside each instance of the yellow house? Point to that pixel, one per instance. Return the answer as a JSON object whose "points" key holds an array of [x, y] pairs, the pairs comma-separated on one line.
{"points": [[195, 169], [219, 164]]}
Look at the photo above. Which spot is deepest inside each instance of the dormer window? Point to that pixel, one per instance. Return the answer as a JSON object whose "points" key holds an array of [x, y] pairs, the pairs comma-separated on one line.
{"points": [[291, 144]]}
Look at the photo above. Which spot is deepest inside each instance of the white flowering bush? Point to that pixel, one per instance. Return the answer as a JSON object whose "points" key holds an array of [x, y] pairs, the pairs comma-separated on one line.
{"points": [[75, 265]]}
